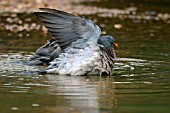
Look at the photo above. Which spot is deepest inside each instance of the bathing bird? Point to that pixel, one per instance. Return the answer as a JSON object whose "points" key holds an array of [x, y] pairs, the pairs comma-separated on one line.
{"points": [[77, 46]]}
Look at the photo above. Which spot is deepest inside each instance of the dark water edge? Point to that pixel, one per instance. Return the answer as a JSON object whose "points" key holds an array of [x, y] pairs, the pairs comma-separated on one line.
{"points": [[161, 6], [140, 82]]}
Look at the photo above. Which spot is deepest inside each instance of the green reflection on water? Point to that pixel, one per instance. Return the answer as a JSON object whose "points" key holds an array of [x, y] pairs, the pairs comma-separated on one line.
{"points": [[139, 86]]}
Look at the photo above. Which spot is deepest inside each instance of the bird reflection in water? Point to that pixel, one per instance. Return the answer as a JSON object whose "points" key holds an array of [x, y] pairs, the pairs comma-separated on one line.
{"points": [[82, 94]]}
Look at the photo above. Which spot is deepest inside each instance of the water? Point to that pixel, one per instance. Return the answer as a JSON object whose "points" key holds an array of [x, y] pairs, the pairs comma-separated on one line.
{"points": [[140, 82]]}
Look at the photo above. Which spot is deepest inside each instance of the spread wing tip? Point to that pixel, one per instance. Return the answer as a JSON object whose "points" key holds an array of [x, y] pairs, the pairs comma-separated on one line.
{"points": [[65, 27], [50, 10], [36, 13]]}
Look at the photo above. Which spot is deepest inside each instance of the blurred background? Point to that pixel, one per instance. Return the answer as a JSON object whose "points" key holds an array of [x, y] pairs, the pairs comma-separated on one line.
{"points": [[140, 81]]}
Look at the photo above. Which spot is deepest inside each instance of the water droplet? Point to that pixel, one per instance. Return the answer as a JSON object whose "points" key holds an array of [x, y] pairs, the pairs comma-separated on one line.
{"points": [[152, 34], [14, 108], [147, 82], [104, 32], [35, 105], [118, 26]]}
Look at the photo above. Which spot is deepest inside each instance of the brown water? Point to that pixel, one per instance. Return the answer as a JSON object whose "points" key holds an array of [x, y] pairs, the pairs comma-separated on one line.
{"points": [[140, 82]]}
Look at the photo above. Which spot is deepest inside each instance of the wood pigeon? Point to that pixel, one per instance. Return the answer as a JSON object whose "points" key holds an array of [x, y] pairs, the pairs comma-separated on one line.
{"points": [[77, 46]]}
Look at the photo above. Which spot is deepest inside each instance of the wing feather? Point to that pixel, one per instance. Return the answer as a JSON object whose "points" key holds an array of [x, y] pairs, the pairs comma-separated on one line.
{"points": [[67, 28]]}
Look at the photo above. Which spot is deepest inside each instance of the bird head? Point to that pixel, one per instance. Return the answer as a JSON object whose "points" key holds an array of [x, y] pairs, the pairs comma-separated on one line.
{"points": [[107, 41]]}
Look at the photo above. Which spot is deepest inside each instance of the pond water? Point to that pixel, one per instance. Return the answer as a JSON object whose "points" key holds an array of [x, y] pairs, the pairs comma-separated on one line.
{"points": [[140, 82]]}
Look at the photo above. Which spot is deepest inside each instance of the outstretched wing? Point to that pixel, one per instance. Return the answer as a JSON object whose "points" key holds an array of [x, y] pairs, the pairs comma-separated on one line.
{"points": [[67, 29]]}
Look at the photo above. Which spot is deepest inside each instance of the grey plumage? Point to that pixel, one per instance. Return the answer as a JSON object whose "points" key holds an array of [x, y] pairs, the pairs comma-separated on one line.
{"points": [[65, 28], [77, 47]]}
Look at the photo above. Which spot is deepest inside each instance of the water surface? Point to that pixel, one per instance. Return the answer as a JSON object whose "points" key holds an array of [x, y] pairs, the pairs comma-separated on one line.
{"points": [[140, 82]]}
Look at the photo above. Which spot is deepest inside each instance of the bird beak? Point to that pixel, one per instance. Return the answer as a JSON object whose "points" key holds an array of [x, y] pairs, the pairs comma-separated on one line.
{"points": [[115, 45]]}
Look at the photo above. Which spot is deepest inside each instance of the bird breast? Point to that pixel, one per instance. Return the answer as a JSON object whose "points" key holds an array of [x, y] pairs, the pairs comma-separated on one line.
{"points": [[77, 61]]}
